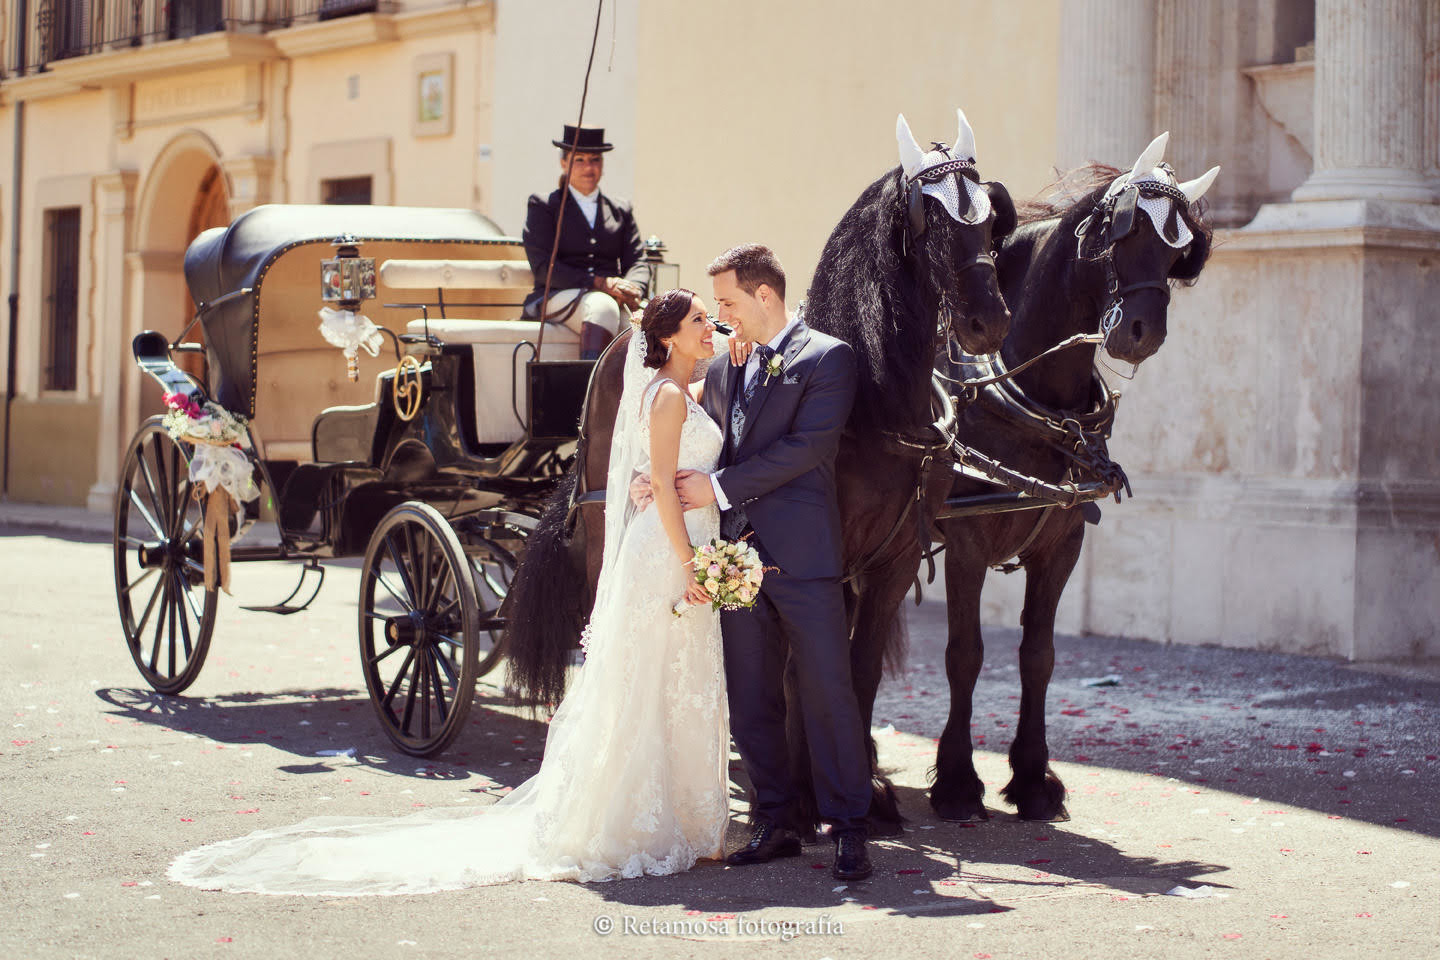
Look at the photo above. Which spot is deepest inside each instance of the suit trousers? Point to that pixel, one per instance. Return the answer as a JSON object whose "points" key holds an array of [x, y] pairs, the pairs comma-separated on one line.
{"points": [[805, 620]]}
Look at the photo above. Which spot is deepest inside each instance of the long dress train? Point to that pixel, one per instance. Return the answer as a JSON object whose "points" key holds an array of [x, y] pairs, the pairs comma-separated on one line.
{"points": [[634, 776]]}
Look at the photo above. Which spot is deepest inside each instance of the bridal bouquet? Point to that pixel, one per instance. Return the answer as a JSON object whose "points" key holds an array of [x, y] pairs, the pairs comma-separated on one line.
{"points": [[730, 572]]}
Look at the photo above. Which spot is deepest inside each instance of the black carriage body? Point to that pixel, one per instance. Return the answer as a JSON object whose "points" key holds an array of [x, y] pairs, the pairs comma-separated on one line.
{"points": [[367, 460]]}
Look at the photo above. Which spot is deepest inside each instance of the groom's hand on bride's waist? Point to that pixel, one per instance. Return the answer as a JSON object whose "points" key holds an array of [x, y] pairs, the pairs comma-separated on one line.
{"points": [[694, 489], [640, 493]]}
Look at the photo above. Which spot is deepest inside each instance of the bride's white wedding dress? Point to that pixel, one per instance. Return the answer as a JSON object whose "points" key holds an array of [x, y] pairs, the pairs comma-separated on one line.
{"points": [[634, 776]]}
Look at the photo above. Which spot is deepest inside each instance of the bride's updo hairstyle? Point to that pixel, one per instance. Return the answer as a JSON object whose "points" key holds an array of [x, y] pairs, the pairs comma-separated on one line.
{"points": [[663, 316]]}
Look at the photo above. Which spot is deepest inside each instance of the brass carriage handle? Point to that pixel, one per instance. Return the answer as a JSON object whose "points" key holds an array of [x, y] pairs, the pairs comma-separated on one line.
{"points": [[407, 389]]}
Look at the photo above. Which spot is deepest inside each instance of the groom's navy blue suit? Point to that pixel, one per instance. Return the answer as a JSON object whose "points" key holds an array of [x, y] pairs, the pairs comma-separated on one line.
{"points": [[781, 471]]}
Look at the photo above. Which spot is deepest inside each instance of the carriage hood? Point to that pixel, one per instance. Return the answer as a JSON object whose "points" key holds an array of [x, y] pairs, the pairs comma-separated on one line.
{"points": [[234, 260]]}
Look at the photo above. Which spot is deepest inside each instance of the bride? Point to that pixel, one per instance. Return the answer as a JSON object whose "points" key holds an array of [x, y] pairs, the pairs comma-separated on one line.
{"points": [[634, 777]]}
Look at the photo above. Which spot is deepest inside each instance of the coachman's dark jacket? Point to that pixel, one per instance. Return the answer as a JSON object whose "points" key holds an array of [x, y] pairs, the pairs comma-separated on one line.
{"points": [[611, 248]]}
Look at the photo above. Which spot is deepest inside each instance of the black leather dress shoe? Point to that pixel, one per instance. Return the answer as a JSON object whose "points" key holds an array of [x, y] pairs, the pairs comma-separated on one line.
{"points": [[851, 860], [766, 843]]}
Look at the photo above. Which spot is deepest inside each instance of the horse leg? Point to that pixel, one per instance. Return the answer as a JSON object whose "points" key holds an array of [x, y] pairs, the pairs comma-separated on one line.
{"points": [[877, 628], [958, 793], [1033, 788]]}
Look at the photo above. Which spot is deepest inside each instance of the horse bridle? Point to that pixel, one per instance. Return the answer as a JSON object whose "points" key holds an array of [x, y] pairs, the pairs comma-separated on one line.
{"points": [[913, 199], [1114, 218]]}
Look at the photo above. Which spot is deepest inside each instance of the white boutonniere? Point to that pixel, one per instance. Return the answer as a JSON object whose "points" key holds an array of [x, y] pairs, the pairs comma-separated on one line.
{"points": [[773, 367]]}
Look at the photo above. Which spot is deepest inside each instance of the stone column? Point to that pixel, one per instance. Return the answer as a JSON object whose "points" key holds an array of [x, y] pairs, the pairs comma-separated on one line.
{"points": [[1369, 102], [1432, 93], [1107, 80], [115, 210], [1204, 100]]}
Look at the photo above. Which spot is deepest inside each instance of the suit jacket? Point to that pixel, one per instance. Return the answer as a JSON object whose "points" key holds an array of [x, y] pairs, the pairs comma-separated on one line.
{"points": [[784, 470], [611, 248]]}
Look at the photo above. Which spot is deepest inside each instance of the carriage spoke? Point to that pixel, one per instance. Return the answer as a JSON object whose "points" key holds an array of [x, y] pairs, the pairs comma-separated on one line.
{"points": [[170, 634], [441, 707], [182, 509], [404, 573], [134, 541], [448, 639], [424, 667], [160, 623], [140, 627], [443, 580], [423, 562], [154, 524], [162, 485], [149, 480], [174, 474], [410, 691], [184, 582], [391, 590], [141, 579], [399, 679], [449, 667], [372, 661]]}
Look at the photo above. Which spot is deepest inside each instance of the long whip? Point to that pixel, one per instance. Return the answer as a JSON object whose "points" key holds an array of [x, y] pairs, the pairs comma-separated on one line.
{"points": [[565, 191]]}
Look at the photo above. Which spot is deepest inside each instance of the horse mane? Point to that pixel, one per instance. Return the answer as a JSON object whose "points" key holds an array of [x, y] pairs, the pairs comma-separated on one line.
{"points": [[1073, 194], [863, 293]]}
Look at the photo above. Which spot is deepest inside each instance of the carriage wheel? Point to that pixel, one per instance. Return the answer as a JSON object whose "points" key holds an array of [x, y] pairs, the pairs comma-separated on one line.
{"points": [[419, 629], [494, 570], [165, 610]]}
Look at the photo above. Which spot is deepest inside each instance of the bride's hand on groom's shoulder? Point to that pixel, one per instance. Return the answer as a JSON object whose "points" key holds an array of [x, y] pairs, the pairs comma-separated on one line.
{"points": [[739, 351]]}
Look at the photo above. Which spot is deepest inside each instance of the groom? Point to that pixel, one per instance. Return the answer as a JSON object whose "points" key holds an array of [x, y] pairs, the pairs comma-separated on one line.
{"points": [[782, 412]]}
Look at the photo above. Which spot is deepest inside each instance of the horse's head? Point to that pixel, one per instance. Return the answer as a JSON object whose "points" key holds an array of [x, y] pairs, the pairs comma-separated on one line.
{"points": [[1144, 232], [951, 223]]}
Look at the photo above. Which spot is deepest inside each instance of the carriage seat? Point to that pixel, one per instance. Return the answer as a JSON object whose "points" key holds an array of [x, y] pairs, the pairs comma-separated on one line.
{"points": [[462, 274], [346, 434], [499, 368]]}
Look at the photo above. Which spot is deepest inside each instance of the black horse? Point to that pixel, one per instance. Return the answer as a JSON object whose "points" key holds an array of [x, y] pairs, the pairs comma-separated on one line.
{"points": [[899, 259], [1100, 263], [876, 288]]}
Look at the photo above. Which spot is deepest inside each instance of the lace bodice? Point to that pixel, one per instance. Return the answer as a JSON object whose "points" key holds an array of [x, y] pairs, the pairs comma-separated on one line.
{"points": [[700, 437]]}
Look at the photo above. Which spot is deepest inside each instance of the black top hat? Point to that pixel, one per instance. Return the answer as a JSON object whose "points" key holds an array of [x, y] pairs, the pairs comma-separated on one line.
{"points": [[590, 140]]}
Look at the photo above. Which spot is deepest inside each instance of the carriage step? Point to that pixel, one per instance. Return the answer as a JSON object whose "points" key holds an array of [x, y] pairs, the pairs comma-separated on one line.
{"points": [[284, 607]]}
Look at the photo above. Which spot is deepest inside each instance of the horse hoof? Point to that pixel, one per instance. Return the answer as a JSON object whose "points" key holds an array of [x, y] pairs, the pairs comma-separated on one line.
{"points": [[1043, 816], [960, 811]]}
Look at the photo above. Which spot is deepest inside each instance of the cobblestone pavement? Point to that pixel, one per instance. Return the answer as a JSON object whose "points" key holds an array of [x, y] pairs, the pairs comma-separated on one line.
{"points": [[1224, 803]]}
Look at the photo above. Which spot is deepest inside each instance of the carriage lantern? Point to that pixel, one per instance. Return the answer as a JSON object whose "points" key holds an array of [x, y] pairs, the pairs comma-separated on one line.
{"points": [[348, 278]]}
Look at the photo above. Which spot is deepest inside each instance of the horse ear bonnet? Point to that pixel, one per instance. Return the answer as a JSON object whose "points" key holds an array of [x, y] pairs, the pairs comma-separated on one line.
{"points": [[1191, 262], [1004, 209]]}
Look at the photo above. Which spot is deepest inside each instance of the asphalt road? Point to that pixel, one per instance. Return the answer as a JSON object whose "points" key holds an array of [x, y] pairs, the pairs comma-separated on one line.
{"points": [[1294, 799]]}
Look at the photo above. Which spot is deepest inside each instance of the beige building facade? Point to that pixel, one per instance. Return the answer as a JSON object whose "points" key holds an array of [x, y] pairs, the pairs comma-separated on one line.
{"points": [[1283, 443]]}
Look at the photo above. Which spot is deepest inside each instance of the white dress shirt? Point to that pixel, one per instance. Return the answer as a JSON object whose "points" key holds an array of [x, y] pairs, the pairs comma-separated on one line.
{"points": [[590, 206], [752, 370]]}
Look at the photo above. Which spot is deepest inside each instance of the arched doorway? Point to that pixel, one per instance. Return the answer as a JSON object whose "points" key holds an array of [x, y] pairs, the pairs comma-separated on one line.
{"points": [[185, 194]]}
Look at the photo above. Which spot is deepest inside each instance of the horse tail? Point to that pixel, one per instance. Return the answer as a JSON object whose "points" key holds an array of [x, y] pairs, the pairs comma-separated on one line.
{"points": [[544, 610]]}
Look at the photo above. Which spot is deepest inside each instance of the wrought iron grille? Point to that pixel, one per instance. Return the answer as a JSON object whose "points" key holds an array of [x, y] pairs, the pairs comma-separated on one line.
{"points": [[60, 29], [62, 298]]}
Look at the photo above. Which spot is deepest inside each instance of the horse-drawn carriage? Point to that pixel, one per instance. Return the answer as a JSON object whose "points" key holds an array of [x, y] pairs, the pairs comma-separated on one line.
{"points": [[430, 460]]}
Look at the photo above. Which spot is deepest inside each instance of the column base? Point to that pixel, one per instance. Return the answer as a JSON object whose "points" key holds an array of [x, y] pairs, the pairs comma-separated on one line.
{"points": [[1366, 183], [101, 498]]}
